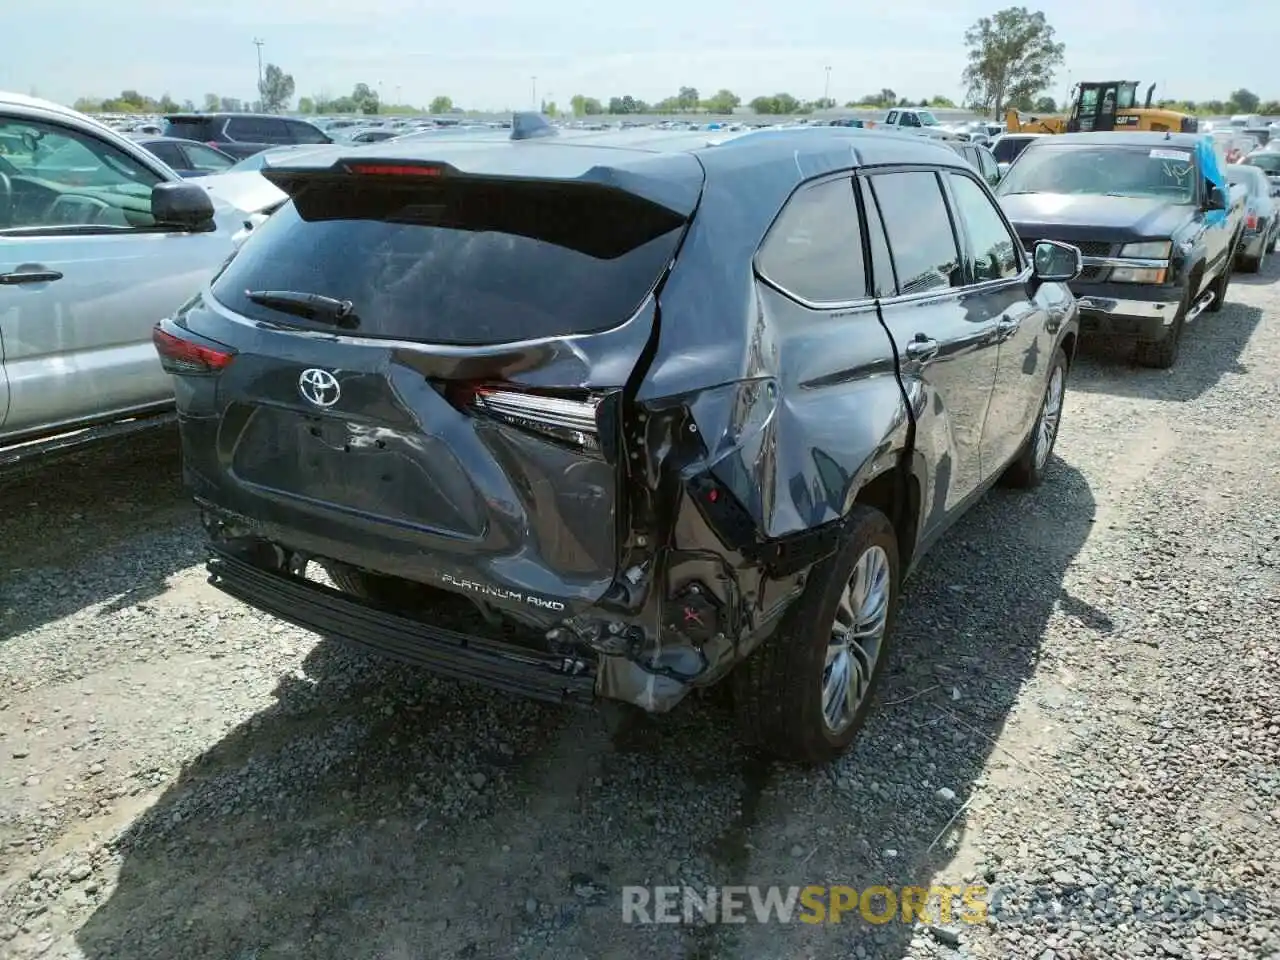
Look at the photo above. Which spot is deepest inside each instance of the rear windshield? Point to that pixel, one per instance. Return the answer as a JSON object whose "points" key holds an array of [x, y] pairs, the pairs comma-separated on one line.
{"points": [[460, 264], [189, 128]]}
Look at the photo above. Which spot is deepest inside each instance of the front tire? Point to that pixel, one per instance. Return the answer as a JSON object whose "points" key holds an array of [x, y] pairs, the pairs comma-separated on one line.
{"points": [[805, 693], [1219, 286], [1028, 470]]}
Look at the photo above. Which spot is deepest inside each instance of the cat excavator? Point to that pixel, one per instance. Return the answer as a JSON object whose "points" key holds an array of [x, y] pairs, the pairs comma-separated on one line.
{"points": [[1105, 105]]}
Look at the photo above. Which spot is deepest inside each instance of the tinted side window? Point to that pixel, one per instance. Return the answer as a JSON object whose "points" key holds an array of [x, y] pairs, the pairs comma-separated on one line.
{"points": [[190, 128], [814, 248], [993, 246], [303, 132], [910, 120], [921, 240], [892, 117], [883, 283], [1005, 150], [169, 153], [987, 164], [257, 130]]}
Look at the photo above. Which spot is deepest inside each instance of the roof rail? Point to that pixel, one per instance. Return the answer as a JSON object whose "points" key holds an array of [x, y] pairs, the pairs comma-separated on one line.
{"points": [[528, 125]]}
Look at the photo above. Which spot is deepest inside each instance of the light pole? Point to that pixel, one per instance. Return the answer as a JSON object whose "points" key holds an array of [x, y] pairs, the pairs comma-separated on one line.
{"points": [[533, 84], [826, 90], [258, 43]]}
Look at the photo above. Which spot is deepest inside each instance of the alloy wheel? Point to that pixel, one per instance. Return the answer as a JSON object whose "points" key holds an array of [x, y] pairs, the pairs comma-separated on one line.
{"points": [[1050, 415], [857, 636]]}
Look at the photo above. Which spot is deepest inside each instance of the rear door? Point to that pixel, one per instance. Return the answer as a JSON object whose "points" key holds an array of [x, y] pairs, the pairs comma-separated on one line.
{"points": [[946, 338], [454, 424]]}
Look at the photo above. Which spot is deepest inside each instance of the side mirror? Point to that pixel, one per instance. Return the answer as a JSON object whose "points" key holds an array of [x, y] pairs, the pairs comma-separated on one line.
{"points": [[1217, 199], [185, 206], [1057, 262]]}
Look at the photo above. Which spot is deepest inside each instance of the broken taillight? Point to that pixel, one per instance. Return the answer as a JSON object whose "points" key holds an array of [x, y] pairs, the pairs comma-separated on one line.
{"points": [[188, 354], [569, 420]]}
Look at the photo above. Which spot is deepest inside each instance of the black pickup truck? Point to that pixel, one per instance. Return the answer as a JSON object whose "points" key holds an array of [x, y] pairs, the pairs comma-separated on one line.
{"points": [[1154, 217]]}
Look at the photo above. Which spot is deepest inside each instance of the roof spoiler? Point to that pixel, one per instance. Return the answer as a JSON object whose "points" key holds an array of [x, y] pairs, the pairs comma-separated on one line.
{"points": [[529, 125]]}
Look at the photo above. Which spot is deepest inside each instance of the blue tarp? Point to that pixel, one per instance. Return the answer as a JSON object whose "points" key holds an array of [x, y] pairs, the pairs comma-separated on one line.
{"points": [[1208, 158]]}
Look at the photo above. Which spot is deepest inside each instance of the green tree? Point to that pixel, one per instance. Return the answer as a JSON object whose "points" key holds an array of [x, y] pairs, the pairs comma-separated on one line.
{"points": [[776, 105], [688, 98], [275, 90], [1269, 108], [167, 104], [723, 101], [441, 105], [1245, 101], [365, 99], [549, 108], [306, 105], [212, 102], [1012, 56], [939, 102], [627, 105]]}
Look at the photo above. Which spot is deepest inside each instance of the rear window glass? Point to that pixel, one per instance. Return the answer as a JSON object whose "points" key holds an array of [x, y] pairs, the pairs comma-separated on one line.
{"points": [[194, 128], [814, 249], [459, 264]]}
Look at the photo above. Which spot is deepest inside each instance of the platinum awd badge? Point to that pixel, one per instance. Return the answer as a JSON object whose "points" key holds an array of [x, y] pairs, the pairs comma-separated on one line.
{"points": [[500, 593]]}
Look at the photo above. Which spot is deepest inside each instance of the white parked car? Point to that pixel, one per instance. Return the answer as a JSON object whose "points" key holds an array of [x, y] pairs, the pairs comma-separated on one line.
{"points": [[99, 240]]}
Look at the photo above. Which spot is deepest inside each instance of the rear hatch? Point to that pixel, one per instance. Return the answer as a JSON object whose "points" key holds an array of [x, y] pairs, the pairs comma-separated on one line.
{"points": [[429, 360]]}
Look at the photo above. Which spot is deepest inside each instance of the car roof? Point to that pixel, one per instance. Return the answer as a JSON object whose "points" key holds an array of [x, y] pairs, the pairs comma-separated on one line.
{"points": [[217, 115], [21, 100], [668, 167], [585, 148]]}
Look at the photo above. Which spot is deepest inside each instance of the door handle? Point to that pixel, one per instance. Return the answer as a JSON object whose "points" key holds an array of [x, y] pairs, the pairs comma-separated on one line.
{"points": [[1007, 326], [922, 348], [29, 276]]}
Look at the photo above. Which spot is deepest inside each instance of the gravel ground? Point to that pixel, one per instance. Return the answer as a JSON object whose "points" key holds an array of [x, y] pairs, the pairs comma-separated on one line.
{"points": [[1082, 713]]}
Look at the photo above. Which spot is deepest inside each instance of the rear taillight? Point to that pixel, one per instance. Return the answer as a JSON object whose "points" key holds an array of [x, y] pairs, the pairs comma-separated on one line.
{"points": [[214, 144], [1251, 221], [184, 353], [569, 420], [395, 169]]}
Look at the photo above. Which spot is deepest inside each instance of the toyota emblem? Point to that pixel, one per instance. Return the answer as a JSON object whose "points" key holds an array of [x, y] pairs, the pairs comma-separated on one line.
{"points": [[319, 387]]}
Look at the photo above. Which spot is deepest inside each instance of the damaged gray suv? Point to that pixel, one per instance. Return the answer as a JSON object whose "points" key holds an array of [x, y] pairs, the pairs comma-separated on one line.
{"points": [[619, 415]]}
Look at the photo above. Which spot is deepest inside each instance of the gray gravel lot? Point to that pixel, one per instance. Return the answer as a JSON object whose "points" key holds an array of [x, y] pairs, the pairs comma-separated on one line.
{"points": [[1082, 713]]}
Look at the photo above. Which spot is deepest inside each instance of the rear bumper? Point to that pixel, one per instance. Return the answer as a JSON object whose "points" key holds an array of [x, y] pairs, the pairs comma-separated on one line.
{"points": [[460, 656], [1127, 310]]}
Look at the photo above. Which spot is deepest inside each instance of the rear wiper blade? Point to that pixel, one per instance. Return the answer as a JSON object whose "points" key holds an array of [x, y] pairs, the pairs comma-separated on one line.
{"points": [[312, 306]]}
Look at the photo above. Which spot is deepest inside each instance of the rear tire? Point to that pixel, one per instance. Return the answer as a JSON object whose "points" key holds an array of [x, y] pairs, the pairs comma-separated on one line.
{"points": [[1028, 470], [791, 694]]}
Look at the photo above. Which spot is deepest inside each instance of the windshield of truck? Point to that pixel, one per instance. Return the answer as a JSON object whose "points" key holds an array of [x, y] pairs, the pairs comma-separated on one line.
{"points": [[1166, 173], [927, 119]]}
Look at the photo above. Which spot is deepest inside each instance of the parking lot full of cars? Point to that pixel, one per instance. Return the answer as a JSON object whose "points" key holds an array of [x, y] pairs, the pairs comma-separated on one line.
{"points": [[760, 443]]}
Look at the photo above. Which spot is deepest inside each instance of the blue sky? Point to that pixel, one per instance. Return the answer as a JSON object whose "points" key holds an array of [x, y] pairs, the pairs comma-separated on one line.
{"points": [[485, 56]]}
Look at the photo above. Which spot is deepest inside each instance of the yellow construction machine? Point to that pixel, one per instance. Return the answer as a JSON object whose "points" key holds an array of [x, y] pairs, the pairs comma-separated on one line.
{"points": [[1105, 105]]}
